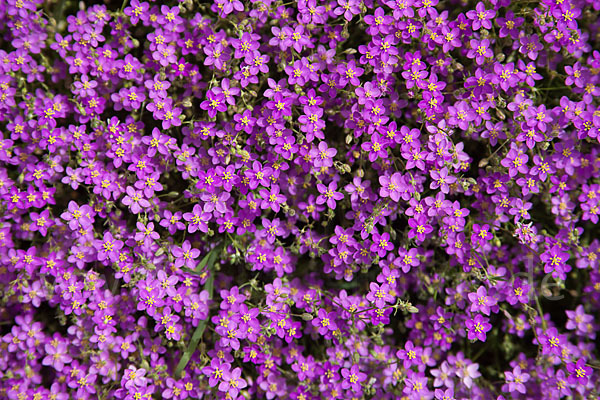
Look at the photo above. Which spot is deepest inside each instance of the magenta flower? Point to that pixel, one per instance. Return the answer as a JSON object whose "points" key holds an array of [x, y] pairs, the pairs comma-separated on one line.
{"points": [[329, 195], [232, 383], [481, 17], [407, 259], [420, 228], [553, 342], [325, 322], [555, 261], [227, 6], [515, 380], [136, 11], [441, 179], [215, 102], [381, 244], [135, 200], [244, 121], [41, 222], [185, 255], [322, 155], [347, 8], [378, 22], [85, 87], [460, 115], [197, 219], [349, 72], [579, 372], [480, 50], [377, 147], [108, 247], [481, 234], [379, 294], [477, 327], [509, 24], [57, 355], [146, 233], [392, 187], [272, 229], [258, 175], [352, 378], [216, 55], [272, 198], [481, 301]]}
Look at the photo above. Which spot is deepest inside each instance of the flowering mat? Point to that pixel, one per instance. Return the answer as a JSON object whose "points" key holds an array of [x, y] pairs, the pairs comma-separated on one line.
{"points": [[258, 199]]}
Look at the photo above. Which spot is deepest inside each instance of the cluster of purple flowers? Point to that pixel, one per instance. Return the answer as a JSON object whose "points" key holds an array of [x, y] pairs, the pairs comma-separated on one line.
{"points": [[347, 199]]}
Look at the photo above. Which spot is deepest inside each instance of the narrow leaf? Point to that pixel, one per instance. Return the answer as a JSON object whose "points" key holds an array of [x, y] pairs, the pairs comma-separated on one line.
{"points": [[209, 260]]}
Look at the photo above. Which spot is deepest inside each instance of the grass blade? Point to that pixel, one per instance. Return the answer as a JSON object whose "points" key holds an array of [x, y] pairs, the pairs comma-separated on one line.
{"points": [[209, 260]]}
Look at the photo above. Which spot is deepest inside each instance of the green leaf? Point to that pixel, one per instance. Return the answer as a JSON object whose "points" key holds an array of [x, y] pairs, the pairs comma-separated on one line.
{"points": [[209, 260], [211, 254]]}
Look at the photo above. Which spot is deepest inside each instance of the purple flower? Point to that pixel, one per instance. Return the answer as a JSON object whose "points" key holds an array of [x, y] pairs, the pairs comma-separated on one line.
{"points": [[135, 200], [325, 322], [420, 228], [392, 186], [41, 222], [449, 38], [441, 179], [197, 219], [515, 380], [416, 385], [555, 262], [258, 175], [136, 11], [149, 184], [185, 255], [146, 233], [349, 72], [377, 147], [347, 8], [460, 115], [509, 24], [480, 50], [215, 102], [56, 354], [481, 17], [352, 378], [515, 161], [108, 247], [378, 22], [465, 369], [232, 383], [407, 259], [552, 342], [381, 244], [329, 195], [481, 301], [477, 327], [531, 46], [579, 372], [481, 234], [443, 375], [322, 155], [85, 87], [582, 322], [380, 294], [505, 76], [272, 198], [216, 371], [272, 229], [411, 355]]}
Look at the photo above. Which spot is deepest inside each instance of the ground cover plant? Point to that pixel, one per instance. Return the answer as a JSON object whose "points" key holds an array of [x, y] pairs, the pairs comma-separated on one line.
{"points": [[349, 199]]}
